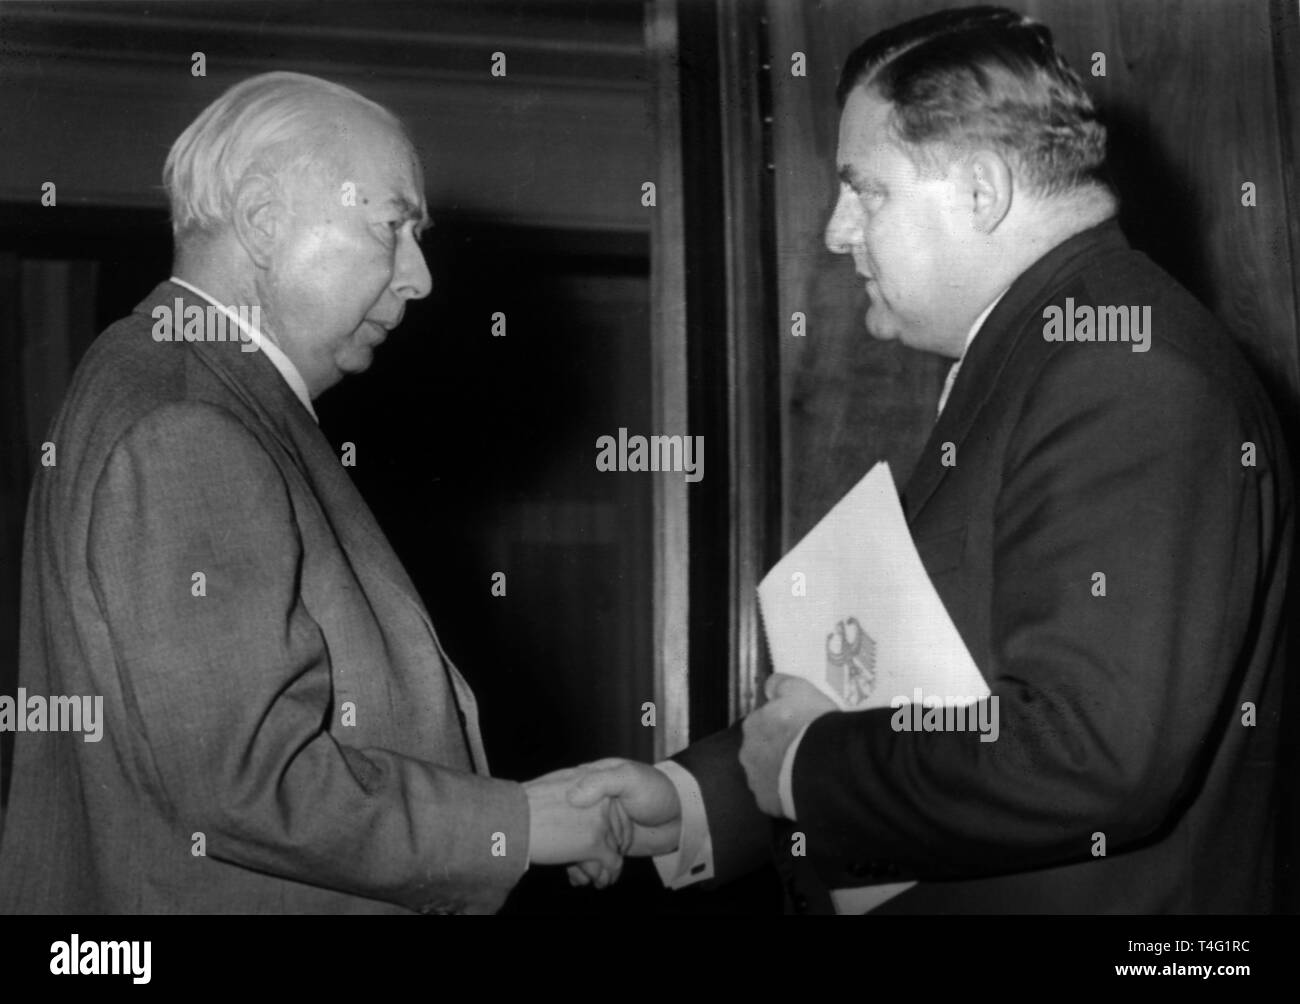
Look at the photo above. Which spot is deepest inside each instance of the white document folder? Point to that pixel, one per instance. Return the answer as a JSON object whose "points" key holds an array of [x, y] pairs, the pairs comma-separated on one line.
{"points": [[852, 610]]}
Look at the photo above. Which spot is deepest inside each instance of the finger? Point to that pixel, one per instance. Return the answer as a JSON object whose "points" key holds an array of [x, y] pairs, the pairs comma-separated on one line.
{"points": [[606, 763], [780, 684], [601, 783], [746, 764], [610, 874], [591, 874], [564, 774], [797, 696], [608, 878], [652, 840], [611, 860], [620, 827], [586, 871]]}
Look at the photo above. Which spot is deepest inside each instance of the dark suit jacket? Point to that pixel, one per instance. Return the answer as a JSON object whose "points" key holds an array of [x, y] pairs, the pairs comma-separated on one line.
{"points": [[227, 714], [1119, 715]]}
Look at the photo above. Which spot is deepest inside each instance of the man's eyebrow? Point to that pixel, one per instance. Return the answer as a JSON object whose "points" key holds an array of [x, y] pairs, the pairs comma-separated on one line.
{"points": [[412, 212], [852, 177]]}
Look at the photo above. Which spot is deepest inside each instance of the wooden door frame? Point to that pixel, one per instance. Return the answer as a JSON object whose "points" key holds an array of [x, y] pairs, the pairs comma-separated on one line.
{"points": [[714, 334]]}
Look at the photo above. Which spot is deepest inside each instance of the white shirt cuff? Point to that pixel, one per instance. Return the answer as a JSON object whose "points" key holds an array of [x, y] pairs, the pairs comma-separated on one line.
{"points": [[785, 780], [693, 860]]}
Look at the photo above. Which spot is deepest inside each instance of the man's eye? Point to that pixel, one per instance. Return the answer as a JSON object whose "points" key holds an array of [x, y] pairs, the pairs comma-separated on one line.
{"points": [[871, 202], [865, 194]]}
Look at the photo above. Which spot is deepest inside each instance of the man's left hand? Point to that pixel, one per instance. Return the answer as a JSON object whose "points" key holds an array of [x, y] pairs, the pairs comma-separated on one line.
{"points": [[791, 704]]}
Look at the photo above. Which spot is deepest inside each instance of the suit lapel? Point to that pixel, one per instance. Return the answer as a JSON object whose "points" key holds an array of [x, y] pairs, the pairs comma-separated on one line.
{"points": [[1016, 317], [365, 544], [975, 383], [255, 381], [252, 377]]}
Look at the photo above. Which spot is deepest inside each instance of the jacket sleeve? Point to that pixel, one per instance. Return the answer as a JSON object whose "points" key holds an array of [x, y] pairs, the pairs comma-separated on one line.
{"points": [[1109, 707], [739, 831], [229, 694]]}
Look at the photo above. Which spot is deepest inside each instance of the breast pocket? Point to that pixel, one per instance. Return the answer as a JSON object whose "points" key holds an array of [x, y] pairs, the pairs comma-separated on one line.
{"points": [[942, 552]]}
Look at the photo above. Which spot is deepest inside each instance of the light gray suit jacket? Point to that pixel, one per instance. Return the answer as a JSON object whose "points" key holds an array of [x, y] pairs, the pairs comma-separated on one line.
{"points": [[296, 721]]}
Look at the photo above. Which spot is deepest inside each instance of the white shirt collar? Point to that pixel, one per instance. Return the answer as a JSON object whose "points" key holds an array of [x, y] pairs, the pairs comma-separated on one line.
{"points": [[979, 323], [273, 353]]}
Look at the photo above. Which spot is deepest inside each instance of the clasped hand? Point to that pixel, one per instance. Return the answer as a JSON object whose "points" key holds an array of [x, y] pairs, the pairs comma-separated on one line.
{"points": [[593, 816]]}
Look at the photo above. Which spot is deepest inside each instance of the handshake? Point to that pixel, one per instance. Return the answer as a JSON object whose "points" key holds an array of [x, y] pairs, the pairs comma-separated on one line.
{"points": [[592, 817]]}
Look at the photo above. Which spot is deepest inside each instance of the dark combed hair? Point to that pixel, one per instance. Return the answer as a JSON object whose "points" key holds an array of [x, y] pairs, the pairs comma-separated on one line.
{"points": [[984, 77]]}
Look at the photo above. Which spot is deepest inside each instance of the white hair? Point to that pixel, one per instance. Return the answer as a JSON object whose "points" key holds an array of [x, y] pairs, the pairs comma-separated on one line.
{"points": [[275, 125]]}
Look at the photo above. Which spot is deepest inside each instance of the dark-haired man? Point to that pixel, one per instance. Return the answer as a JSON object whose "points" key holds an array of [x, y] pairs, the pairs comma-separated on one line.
{"points": [[1103, 505]]}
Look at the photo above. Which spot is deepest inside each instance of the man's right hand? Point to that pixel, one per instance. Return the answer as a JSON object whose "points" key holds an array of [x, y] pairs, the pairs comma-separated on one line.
{"points": [[642, 795]]}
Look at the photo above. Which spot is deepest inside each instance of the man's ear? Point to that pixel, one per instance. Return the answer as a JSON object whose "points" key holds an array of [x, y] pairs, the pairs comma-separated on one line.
{"points": [[258, 217], [988, 180]]}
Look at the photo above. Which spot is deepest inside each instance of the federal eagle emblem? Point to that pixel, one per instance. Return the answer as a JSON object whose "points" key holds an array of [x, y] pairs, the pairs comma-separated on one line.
{"points": [[851, 662]]}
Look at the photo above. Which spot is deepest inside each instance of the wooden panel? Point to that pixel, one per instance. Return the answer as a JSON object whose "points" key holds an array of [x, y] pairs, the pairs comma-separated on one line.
{"points": [[1192, 100], [93, 101], [669, 382], [752, 405], [849, 399]]}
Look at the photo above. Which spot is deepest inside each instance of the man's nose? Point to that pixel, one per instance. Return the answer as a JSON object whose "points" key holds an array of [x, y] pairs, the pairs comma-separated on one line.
{"points": [[844, 228], [411, 279]]}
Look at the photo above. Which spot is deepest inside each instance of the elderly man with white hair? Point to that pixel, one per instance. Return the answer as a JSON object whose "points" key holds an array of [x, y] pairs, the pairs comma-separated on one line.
{"points": [[282, 731]]}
